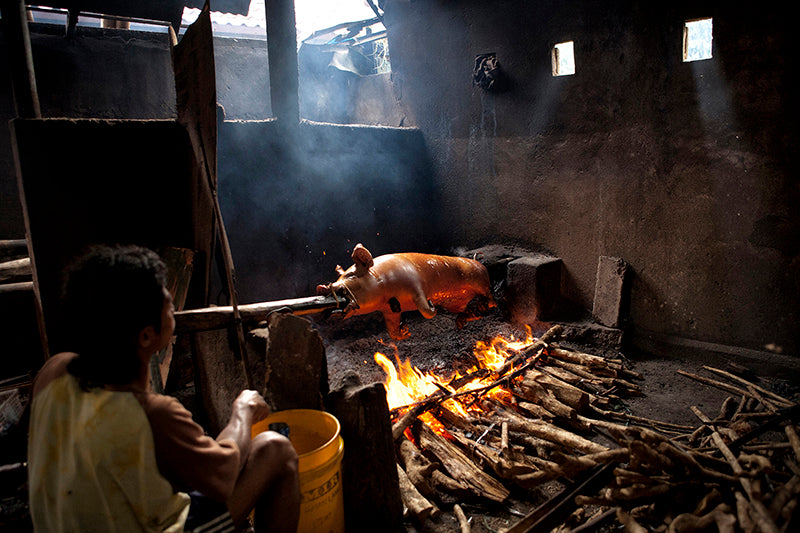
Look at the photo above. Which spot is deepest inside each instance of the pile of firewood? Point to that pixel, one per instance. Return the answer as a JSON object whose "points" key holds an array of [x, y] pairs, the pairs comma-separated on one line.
{"points": [[550, 416]]}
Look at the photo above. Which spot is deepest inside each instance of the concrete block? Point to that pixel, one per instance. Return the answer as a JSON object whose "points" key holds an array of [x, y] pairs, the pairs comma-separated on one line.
{"points": [[533, 287], [610, 291], [603, 340]]}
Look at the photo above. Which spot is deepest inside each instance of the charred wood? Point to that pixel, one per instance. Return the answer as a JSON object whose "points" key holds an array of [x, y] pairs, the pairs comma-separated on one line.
{"points": [[460, 467]]}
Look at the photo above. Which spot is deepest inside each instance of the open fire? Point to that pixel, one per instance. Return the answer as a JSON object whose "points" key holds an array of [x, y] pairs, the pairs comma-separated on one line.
{"points": [[532, 413], [406, 385]]}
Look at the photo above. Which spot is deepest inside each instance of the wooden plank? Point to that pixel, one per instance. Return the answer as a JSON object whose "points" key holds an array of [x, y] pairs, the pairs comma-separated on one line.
{"points": [[15, 271], [209, 318]]}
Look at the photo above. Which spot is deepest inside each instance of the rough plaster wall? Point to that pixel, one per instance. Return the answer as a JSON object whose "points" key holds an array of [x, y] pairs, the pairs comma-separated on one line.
{"points": [[295, 203], [682, 169], [94, 73]]}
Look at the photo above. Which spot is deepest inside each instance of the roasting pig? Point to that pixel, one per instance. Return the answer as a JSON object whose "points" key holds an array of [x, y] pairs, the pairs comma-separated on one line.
{"points": [[395, 283]]}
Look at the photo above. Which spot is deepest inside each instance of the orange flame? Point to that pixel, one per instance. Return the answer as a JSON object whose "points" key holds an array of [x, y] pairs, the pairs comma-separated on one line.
{"points": [[406, 384]]}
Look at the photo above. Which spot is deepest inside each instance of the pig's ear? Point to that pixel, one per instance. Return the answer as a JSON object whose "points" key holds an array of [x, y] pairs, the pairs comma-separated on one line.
{"points": [[362, 258], [323, 289]]}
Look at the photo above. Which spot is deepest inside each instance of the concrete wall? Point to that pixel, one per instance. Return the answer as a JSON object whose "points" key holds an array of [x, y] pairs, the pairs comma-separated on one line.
{"points": [[685, 170]]}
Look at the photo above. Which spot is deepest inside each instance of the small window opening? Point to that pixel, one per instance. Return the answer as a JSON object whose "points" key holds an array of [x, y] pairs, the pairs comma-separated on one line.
{"points": [[697, 39], [563, 59]]}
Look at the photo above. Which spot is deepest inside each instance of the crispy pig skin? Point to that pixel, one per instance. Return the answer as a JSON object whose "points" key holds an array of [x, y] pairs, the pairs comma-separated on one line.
{"points": [[394, 283]]}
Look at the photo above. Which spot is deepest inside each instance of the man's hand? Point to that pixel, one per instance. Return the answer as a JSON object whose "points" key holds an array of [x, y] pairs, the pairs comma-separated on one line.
{"points": [[248, 408], [252, 406]]}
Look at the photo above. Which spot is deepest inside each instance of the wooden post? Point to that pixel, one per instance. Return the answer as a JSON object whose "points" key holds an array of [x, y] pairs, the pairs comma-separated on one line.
{"points": [[282, 51], [369, 472]]}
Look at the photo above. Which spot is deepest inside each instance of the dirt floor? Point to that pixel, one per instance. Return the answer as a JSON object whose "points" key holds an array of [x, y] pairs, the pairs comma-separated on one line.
{"points": [[436, 345]]}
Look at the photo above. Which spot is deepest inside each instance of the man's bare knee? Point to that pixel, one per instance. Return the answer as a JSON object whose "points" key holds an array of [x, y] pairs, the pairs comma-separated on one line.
{"points": [[271, 448]]}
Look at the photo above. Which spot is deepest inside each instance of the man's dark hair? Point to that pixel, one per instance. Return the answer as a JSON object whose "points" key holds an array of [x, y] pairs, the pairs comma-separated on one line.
{"points": [[109, 295]]}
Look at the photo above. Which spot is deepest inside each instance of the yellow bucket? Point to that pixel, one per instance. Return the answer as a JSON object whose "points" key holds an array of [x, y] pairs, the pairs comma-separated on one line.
{"points": [[315, 437]]}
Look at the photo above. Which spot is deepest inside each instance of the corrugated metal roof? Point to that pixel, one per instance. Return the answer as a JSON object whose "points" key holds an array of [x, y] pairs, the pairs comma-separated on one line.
{"points": [[255, 17], [311, 15]]}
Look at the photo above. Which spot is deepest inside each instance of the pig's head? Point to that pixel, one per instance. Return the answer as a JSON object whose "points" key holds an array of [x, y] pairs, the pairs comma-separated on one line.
{"points": [[355, 283]]}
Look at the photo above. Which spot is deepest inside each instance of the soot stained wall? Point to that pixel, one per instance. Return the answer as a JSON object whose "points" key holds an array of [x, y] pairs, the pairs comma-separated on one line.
{"points": [[296, 202], [94, 73], [685, 170]]}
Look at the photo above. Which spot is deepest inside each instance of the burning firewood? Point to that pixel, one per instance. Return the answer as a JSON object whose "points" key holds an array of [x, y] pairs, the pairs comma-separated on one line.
{"points": [[548, 414], [460, 467]]}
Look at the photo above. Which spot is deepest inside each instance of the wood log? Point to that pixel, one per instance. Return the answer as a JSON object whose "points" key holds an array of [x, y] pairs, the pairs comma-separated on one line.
{"points": [[426, 476], [549, 336], [538, 394], [415, 502], [542, 447], [744, 513], [405, 421], [295, 367], [600, 366], [761, 514], [592, 386], [454, 419], [794, 440], [460, 467], [641, 420], [417, 467], [369, 473], [692, 523], [569, 467], [563, 391], [630, 388], [629, 477], [16, 270], [775, 397], [637, 492], [678, 456], [718, 384], [544, 430], [463, 523], [504, 467], [23, 286], [11, 249], [597, 364], [596, 521], [441, 482], [628, 522], [782, 495], [536, 411]]}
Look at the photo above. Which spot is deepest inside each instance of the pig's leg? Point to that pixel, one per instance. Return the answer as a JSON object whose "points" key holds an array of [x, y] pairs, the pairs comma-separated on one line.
{"points": [[474, 310], [424, 305], [395, 326]]}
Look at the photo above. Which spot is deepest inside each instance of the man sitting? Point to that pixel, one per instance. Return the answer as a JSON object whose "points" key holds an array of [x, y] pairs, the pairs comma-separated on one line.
{"points": [[105, 453]]}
